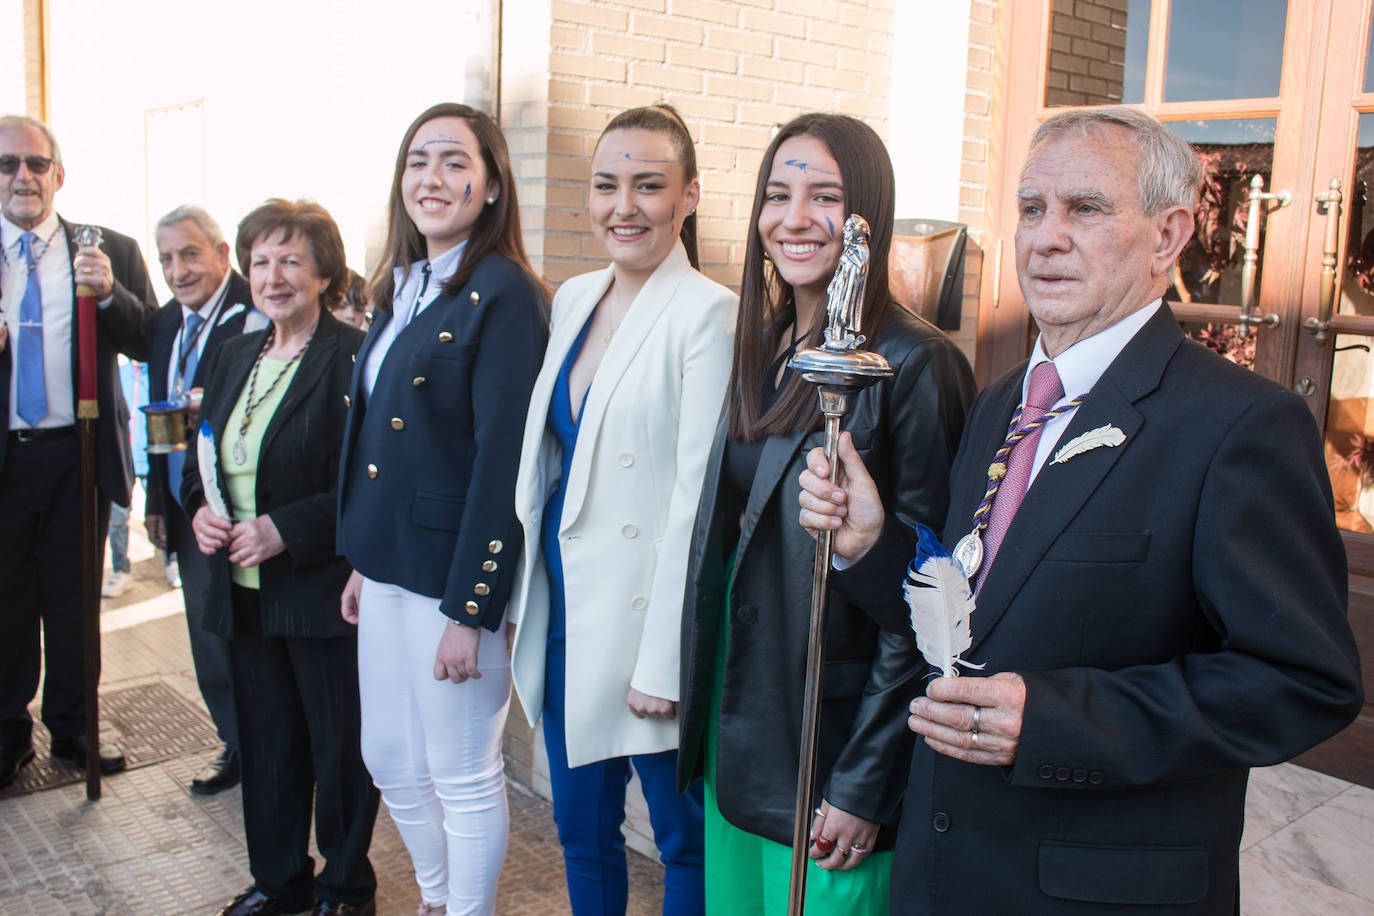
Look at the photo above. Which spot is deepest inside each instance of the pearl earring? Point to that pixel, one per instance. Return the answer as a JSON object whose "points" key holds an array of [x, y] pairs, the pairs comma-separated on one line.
{"points": [[490, 201]]}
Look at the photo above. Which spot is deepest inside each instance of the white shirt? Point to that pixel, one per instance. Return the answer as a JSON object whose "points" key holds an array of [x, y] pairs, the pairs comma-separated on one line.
{"points": [[406, 303], [55, 282], [1079, 367], [206, 311]]}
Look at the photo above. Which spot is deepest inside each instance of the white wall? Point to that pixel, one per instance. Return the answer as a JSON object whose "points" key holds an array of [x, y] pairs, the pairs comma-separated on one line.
{"points": [[11, 57], [930, 64], [298, 100]]}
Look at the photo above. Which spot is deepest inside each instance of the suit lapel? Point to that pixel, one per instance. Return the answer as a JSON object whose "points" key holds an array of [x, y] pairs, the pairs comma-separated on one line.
{"points": [[1060, 491], [531, 485], [380, 318], [165, 327], [774, 460], [236, 376], [314, 363], [653, 300]]}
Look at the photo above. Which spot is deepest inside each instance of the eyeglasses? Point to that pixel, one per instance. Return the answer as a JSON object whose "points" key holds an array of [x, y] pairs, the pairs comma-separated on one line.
{"points": [[38, 165]]}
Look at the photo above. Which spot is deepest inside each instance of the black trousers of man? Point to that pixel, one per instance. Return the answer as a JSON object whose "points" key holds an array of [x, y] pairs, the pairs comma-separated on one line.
{"points": [[40, 585]]}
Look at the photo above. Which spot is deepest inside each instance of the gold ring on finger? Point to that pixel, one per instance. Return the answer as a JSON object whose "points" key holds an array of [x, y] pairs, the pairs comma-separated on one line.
{"points": [[973, 741]]}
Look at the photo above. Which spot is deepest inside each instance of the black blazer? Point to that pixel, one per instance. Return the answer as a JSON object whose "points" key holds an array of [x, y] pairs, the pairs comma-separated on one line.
{"points": [[1177, 607], [119, 329], [427, 480], [297, 476], [906, 428], [163, 328]]}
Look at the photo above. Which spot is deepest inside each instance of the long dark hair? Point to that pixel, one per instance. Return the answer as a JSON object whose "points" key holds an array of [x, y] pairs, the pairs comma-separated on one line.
{"points": [[663, 118], [767, 301], [497, 227]]}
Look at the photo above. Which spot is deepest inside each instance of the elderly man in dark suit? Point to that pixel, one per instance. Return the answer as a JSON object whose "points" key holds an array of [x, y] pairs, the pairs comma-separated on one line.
{"points": [[211, 302], [1161, 602], [39, 456]]}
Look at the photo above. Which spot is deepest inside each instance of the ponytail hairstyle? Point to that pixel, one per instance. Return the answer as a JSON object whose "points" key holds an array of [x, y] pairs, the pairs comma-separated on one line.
{"points": [[766, 301], [663, 118], [497, 228]]}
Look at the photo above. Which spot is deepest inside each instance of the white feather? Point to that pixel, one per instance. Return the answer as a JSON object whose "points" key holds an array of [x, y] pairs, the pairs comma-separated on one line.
{"points": [[207, 456], [1107, 435], [937, 592]]}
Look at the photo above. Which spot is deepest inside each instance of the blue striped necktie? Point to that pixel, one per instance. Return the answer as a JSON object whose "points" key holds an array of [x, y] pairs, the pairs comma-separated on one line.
{"points": [[31, 394]]}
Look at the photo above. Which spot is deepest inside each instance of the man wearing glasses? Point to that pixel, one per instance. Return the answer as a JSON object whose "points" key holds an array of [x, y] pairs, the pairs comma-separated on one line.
{"points": [[40, 512]]}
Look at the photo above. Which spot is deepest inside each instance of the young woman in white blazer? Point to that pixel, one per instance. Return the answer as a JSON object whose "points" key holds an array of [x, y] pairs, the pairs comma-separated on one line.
{"points": [[615, 447]]}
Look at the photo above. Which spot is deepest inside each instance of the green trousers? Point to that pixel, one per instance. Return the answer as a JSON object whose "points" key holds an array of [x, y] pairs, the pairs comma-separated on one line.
{"points": [[748, 875]]}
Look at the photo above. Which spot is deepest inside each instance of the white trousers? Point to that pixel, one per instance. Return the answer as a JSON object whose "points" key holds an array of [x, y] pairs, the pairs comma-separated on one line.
{"points": [[434, 747]]}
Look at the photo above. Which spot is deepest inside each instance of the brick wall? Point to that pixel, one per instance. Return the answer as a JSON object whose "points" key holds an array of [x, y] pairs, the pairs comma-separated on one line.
{"points": [[976, 175], [734, 69]]}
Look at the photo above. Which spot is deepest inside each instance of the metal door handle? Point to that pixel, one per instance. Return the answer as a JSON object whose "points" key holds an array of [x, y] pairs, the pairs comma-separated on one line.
{"points": [[1249, 299], [1328, 204]]}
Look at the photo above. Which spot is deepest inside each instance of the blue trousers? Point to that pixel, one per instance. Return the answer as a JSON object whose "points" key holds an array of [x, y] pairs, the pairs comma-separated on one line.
{"points": [[589, 807]]}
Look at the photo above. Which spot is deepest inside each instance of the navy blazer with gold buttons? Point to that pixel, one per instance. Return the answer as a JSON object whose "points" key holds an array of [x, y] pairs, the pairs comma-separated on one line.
{"points": [[427, 478]]}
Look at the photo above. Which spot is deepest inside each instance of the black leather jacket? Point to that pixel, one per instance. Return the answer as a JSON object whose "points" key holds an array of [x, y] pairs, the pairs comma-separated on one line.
{"points": [[906, 429]]}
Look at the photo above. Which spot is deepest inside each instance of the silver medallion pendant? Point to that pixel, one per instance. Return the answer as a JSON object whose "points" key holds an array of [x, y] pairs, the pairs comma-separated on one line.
{"points": [[969, 553], [241, 457]]}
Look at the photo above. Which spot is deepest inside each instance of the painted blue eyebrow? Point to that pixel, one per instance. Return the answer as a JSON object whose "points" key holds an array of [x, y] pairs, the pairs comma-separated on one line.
{"points": [[806, 166], [629, 158], [454, 140]]}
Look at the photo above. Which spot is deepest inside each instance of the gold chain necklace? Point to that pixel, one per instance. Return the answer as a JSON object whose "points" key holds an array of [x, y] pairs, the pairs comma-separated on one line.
{"points": [[606, 340]]}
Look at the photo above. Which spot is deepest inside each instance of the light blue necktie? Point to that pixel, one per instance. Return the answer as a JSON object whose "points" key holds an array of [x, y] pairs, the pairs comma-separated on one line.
{"points": [[31, 394], [186, 365]]}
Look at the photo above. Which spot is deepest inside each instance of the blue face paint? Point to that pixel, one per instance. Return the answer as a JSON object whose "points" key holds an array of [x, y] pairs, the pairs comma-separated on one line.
{"points": [[467, 196], [806, 167], [629, 158], [830, 223], [452, 140]]}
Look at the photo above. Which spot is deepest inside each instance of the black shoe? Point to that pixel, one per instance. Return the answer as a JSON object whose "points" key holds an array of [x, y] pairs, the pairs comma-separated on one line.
{"points": [[13, 758], [325, 908], [253, 902], [222, 773], [73, 751]]}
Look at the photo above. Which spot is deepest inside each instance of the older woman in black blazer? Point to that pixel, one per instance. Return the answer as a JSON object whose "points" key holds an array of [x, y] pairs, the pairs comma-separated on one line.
{"points": [[276, 402]]}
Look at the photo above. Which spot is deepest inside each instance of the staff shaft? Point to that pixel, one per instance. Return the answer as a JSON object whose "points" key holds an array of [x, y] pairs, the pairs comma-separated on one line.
{"points": [[815, 667]]}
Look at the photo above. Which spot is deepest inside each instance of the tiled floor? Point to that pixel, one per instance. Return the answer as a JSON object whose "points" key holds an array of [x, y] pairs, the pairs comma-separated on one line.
{"points": [[150, 847]]}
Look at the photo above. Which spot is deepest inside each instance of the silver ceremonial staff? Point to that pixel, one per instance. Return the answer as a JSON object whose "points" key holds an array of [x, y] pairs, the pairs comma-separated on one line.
{"points": [[839, 370]]}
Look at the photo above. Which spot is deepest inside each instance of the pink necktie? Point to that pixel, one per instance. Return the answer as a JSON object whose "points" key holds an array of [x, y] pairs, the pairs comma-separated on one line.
{"points": [[1044, 391]]}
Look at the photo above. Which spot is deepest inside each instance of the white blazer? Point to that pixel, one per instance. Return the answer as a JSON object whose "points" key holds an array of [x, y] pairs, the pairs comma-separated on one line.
{"points": [[636, 475]]}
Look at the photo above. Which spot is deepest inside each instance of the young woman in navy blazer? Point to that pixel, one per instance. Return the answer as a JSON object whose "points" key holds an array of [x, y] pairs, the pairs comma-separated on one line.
{"points": [[426, 516]]}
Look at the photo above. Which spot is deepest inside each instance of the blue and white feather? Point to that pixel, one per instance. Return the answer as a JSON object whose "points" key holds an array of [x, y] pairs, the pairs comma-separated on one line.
{"points": [[936, 590], [207, 456]]}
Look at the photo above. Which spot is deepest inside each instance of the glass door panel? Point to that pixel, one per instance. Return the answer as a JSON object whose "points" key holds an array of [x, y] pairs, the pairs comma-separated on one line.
{"points": [[1232, 152], [1350, 410], [1224, 49], [1097, 52]]}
